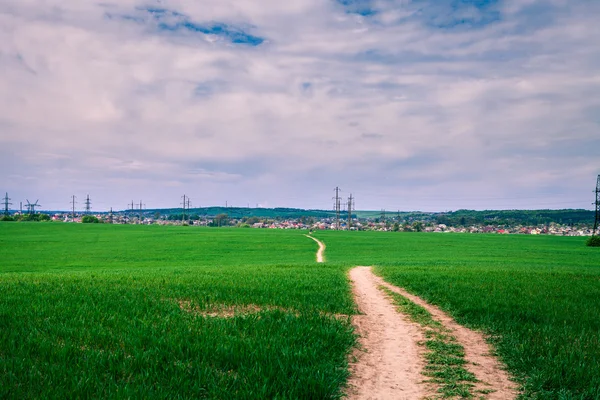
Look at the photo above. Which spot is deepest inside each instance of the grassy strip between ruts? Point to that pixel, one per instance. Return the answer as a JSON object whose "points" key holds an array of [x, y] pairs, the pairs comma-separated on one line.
{"points": [[445, 356]]}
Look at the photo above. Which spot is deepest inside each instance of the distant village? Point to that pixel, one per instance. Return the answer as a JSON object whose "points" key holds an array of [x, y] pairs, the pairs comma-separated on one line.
{"points": [[392, 224]]}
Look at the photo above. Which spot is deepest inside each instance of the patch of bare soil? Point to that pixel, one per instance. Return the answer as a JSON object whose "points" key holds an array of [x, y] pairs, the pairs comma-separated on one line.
{"points": [[390, 361], [231, 311], [478, 353]]}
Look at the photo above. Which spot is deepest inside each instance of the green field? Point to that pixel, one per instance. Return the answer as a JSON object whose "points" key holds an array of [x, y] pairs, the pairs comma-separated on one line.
{"points": [[537, 296], [138, 312], [166, 312]]}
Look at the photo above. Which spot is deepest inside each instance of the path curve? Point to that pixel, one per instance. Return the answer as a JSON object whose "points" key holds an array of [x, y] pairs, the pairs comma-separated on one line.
{"points": [[390, 363], [478, 353], [321, 250]]}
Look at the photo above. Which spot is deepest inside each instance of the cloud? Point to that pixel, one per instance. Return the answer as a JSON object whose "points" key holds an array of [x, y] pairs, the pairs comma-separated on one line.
{"points": [[406, 104]]}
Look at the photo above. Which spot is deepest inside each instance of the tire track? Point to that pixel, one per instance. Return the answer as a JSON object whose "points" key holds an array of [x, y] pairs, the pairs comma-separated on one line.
{"points": [[390, 360]]}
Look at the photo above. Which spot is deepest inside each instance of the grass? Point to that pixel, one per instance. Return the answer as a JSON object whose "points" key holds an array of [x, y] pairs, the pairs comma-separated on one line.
{"points": [[445, 356], [44, 247], [538, 297], [167, 312], [138, 312]]}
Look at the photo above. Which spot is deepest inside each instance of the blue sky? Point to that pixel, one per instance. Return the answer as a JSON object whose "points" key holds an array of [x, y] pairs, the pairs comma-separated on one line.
{"points": [[410, 105]]}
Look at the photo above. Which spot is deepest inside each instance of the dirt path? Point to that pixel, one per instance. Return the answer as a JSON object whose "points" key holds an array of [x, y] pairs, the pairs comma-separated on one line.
{"points": [[321, 250], [390, 363], [478, 353]]}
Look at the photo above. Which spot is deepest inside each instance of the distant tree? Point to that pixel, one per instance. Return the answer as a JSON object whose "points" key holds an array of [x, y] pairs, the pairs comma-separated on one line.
{"points": [[252, 220], [7, 218], [221, 220], [417, 226], [89, 219], [396, 227]]}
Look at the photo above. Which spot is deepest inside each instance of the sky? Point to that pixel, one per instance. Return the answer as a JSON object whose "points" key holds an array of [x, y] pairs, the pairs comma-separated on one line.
{"points": [[428, 105]]}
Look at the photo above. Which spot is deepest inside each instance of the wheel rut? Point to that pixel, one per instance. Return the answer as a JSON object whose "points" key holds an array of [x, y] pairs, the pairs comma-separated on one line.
{"points": [[389, 359]]}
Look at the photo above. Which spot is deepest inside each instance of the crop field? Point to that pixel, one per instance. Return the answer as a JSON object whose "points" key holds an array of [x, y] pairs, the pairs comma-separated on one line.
{"points": [[166, 312], [537, 296]]}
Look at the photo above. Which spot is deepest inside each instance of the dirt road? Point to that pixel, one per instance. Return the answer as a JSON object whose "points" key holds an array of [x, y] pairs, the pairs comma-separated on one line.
{"points": [[321, 251], [390, 363]]}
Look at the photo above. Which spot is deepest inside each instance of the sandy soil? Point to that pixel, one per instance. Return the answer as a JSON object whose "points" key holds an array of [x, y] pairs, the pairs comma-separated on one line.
{"points": [[390, 361], [321, 250], [478, 352]]}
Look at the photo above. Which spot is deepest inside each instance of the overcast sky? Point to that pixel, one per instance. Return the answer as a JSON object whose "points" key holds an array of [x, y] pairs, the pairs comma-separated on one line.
{"points": [[426, 105]]}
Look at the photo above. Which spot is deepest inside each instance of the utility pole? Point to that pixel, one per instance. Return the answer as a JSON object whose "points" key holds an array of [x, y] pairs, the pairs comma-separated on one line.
{"points": [[73, 207], [140, 218], [110, 216], [597, 204], [21, 207], [383, 215], [88, 205], [6, 204], [337, 206], [350, 206]]}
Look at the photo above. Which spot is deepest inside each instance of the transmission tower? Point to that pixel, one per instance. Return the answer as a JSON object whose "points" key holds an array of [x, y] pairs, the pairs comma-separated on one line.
{"points": [[6, 204], [597, 204], [185, 202], [110, 216], [141, 205], [31, 207], [189, 208], [337, 206], [350, 208], [73, 207], [88, 205]]}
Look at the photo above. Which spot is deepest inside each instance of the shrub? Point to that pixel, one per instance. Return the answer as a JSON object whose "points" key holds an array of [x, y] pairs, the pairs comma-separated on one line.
{"points": [[594, 241], [89, 219]]}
